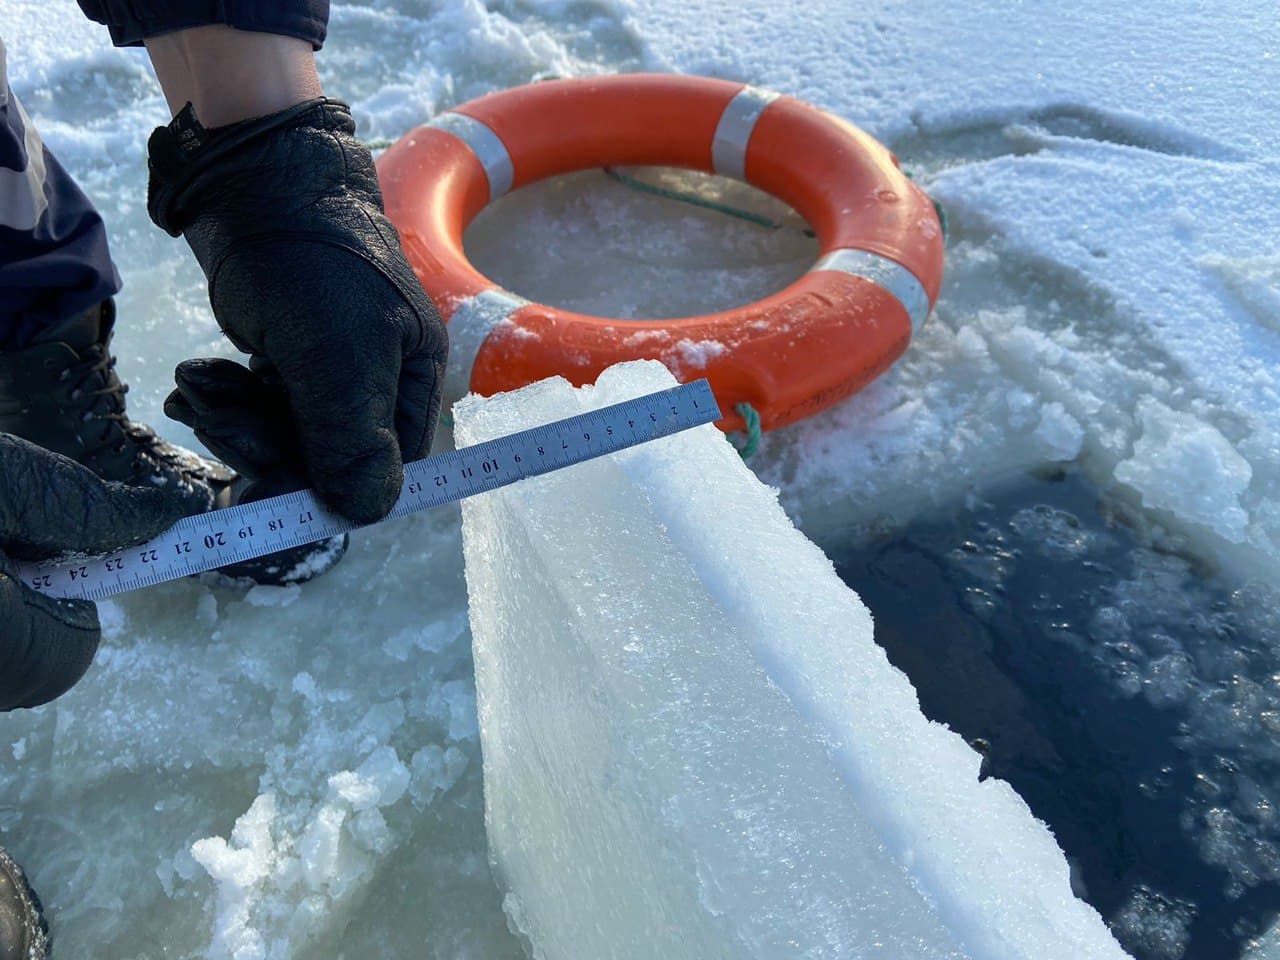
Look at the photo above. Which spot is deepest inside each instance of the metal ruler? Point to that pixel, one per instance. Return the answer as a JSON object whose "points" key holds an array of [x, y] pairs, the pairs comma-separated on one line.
{"points": [[221, 537]]}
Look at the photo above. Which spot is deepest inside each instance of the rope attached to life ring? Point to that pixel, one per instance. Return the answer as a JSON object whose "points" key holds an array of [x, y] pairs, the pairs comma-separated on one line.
{"points": [[753, 432]]}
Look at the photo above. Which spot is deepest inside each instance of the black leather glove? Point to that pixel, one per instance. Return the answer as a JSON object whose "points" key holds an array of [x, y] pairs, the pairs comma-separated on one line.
{"points": [[307, 276], [50, 505], [243, 419]]}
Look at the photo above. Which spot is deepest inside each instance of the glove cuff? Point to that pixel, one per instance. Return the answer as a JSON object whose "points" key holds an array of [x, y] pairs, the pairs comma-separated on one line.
{"points": [[180, 154]]}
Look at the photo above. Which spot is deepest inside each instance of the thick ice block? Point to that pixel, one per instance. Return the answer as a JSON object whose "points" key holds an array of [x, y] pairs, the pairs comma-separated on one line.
{"points": [[693, 747]]}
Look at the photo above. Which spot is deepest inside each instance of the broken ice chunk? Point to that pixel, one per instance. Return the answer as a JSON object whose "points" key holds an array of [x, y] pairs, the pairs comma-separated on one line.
{"points": [[693, 746]]}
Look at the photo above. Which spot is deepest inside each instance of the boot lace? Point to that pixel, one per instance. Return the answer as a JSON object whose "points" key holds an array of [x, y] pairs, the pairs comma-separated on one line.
{"points": [[105, 402]]}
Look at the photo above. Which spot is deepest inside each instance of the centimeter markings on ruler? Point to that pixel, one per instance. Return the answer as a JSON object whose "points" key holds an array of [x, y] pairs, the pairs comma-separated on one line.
{"points": [[222, 537]]}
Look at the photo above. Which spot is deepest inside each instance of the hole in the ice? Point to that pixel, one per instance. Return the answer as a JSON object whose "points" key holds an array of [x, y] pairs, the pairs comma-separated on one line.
{"points": [[646, 243], [1128, 694]]}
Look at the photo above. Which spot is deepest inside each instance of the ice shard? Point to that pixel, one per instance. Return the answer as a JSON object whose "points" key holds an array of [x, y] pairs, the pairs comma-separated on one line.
{"points": [[693, 747]]}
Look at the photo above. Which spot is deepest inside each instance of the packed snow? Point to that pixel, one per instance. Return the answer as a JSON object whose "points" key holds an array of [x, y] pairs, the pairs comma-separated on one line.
{"points": [[260, 774]]}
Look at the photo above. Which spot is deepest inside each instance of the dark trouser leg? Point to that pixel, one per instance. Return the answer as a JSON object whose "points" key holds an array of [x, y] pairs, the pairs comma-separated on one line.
{"points": [[54, 260]]}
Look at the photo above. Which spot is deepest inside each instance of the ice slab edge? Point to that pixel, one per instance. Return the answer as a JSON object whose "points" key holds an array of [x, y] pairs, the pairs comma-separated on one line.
{"points": [[693, 746]]}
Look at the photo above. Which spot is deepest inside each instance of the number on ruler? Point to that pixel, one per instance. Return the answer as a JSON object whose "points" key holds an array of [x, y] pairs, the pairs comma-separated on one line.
{"points": [[155, 563]]}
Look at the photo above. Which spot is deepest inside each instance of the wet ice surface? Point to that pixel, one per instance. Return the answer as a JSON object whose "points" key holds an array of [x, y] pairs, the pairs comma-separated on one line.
{"points": [[273, 773], [1110, 303]]}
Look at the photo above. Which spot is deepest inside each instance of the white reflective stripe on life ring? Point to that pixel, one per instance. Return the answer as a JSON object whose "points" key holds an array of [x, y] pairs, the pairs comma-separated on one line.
{"points": [[733, 133], [886, 273], [486, 145], [469, 327]]}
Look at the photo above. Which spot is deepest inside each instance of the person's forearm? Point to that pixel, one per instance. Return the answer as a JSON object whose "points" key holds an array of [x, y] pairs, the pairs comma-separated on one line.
{"points": [[230, 75]]}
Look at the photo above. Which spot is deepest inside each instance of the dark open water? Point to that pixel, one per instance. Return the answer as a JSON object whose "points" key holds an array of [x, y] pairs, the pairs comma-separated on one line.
{"points": [[1131, 697]]}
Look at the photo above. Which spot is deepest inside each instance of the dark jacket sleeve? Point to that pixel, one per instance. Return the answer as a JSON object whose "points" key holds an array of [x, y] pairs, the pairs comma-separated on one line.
{"points": [[132, 21]]}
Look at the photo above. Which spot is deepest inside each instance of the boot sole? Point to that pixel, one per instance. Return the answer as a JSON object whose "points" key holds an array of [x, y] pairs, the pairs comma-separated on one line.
{"points": [[34, 931], [290, 567]]}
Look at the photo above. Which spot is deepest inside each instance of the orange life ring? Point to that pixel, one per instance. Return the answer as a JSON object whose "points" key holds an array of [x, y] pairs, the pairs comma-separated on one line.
{"points": [[788, 355]]}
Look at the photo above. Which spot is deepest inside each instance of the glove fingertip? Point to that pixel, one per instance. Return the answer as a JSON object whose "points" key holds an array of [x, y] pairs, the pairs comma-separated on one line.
{"points": [[241, 450], [418, 407], [178, 408], [364, 490], [62, 637], [156, 510], [213, 383]]}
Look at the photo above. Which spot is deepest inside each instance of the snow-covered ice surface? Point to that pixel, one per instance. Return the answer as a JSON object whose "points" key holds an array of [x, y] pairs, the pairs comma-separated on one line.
{"points": [[693, 746], [297, 774]]}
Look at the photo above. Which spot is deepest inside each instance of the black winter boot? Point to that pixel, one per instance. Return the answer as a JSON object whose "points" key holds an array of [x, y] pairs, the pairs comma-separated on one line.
{"points": [[23, 934], [61, 392]]}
